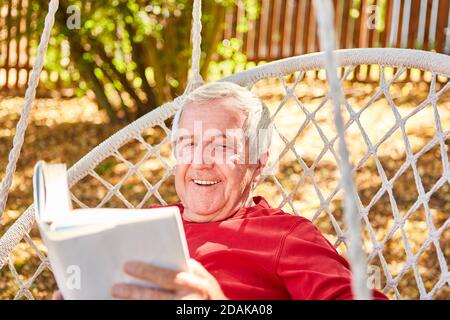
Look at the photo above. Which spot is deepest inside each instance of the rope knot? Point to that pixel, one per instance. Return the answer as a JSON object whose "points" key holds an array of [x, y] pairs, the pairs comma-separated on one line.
{"points": [[195, 82]]}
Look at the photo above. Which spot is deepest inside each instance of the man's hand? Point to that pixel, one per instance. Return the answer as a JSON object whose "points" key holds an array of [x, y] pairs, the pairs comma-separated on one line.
{"points": [[194, 284]]}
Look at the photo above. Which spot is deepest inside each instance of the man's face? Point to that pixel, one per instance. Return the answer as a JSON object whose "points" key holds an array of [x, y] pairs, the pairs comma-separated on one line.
{"points": [[213, 176]]}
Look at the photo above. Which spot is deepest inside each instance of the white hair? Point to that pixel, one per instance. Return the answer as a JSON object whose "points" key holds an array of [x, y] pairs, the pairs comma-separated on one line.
{"points": [[257, 127]]}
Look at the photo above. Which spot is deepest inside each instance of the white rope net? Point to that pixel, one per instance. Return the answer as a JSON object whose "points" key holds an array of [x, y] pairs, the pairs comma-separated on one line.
{"points": [[406, 241]]}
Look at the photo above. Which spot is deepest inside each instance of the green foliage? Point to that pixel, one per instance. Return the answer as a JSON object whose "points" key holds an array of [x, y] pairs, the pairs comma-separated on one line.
{"points": [[135, 54], [231, 60]]}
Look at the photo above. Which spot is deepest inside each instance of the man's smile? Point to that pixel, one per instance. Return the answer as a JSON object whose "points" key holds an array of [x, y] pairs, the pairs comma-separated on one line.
{"points": [[205, 183]]}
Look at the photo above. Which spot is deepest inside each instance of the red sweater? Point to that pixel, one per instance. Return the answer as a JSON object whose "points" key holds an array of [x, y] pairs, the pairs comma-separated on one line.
{"points": [[263, 253]]}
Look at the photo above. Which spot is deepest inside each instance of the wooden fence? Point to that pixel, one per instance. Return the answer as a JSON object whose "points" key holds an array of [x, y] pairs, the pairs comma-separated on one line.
{"points": [[17, 24], [288, 27], [284, 28]]}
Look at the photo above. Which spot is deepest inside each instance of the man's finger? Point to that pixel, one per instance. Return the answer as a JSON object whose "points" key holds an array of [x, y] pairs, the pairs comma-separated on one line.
{"points": [[126, 291], [159, 276], [207, 280], [198, 269], [196, 284]]}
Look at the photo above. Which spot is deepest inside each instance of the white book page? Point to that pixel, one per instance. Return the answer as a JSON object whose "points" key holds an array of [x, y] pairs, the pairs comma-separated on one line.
{"points": [[88, 261], [107, 217]]}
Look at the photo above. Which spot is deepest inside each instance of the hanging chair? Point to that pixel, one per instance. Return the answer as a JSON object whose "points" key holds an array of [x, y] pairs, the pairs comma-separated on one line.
{"points": [[149, 137]]}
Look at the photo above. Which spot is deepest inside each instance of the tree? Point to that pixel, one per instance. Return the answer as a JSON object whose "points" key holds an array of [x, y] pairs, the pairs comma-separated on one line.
{"points": [[134, 54]]}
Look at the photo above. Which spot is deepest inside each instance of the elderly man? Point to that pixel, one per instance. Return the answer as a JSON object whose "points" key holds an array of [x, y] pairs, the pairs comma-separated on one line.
{"points": [[241, 248]]}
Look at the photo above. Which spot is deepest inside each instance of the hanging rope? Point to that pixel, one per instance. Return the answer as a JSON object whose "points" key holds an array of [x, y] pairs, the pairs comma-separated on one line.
{"points": [[324, 13], [27, 105], [196, 38]]}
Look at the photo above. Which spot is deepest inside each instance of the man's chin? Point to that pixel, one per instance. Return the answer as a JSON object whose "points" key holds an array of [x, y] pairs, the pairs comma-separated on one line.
{"points": [[203, 213]]}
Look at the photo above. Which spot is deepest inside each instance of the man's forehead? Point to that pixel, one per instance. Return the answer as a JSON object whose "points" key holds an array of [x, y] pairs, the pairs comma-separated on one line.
{"points": [[217, 112], [215, 102], [236, 133]]}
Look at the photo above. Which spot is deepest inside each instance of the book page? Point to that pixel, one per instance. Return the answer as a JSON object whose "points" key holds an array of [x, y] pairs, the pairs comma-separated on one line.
{"points": [[51, 192], [87, 264], [106, 217]]}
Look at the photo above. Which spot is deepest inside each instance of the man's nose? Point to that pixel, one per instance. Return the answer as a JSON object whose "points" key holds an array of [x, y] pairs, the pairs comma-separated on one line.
{"points": [[202, 156]]}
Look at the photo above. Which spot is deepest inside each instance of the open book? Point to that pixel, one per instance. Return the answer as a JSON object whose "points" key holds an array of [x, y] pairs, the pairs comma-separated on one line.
{"points": [[87, 248]]}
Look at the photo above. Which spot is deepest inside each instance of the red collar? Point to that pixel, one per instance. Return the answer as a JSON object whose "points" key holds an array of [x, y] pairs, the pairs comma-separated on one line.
{"points": [[258, 201]]}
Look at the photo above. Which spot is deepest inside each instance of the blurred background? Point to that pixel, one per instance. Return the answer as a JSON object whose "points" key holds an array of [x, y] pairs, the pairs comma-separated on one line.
{"points": [[110, 62]]}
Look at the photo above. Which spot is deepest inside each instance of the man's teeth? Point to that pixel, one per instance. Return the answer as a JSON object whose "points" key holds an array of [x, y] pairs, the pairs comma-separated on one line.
{"points": [[206, 182]]}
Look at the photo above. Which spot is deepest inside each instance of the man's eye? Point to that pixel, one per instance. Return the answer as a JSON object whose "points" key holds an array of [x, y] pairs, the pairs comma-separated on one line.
{"points": [[186, 146], [222, 146]]}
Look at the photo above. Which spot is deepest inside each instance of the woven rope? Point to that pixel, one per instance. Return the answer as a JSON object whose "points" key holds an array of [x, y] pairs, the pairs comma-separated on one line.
{"points": [[196, 79], [323, 10], [400, 58], [85, 166], [27, 105], [324, 17]]}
